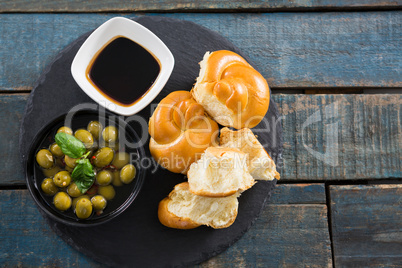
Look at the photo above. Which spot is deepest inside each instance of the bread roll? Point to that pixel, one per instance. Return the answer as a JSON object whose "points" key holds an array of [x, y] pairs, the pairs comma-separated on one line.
{"points": [[184, 210], [180, 131], [220, 172], [260, 164], [231, 90]]}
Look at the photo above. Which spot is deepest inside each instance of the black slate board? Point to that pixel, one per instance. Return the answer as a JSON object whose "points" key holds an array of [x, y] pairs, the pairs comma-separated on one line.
{"points": [[136, 238]]}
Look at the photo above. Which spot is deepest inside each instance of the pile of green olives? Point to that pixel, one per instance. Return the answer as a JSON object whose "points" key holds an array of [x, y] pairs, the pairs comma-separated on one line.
{"points": [[112, 169]]}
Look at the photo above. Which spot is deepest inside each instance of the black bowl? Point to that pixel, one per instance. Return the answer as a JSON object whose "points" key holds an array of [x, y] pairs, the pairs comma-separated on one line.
{"points": [[125, 194]]}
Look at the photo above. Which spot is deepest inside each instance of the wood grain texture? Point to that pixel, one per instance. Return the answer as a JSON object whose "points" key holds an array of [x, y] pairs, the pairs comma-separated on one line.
{"points": [[187, 5], [27, 240], [367, 225], [369, 137], [354, 136], [283, 235], [312, 193], [11, 112], [302, 50]]}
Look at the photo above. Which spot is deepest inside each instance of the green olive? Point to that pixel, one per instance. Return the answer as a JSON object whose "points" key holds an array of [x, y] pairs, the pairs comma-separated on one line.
{"points": [[56, 150], [121, 159], [99, 202], [66, 130], [113, 145], [45, 159], [110, 134], [95, 128], [69, 169], [116, 178], [83, 208], [104, 178], [62, 201], [93, 190], [48, 187], [86, 137], [70, 162], [75, 200], [103, 157], [73, 190], [62, 179], [127, 173], [107, 192], [51, 172]]}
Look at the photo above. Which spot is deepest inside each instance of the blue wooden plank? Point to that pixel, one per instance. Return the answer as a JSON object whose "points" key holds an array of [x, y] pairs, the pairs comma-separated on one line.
{"points": [[282, 235], [367, 225], [170, 5], [290, 49], [33, 44], [27, 240], [312, 193], [11, 112], [337, 137], [368, 137]]}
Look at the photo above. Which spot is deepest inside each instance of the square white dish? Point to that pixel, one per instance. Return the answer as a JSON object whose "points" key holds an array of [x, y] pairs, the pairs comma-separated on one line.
{"points": [[99, 39]]}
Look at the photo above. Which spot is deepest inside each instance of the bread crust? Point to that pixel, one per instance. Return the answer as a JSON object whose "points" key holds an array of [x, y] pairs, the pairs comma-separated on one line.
{"points": [[209, 194], [232, 220], [170, 220], [231, 90], [180, 131]]}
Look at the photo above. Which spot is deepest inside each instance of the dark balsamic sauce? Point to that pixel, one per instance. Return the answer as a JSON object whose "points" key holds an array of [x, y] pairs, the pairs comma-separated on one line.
{"points": [[124, 71]]}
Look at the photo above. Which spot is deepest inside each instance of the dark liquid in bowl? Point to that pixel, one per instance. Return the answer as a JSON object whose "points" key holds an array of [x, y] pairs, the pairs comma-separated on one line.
{"points": [[124, 71]]}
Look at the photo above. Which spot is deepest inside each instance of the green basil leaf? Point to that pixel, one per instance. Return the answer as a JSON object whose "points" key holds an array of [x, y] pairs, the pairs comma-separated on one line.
{"points": [[83, 175], [70, 145]]}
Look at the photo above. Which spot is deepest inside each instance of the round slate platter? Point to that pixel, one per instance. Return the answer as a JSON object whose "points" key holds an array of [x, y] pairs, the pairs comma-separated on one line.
{"points": [[136, 238]]}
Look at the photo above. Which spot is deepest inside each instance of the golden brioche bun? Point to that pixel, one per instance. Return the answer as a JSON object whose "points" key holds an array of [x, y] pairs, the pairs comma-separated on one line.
{"points": [[231, 90], [185, 210], [180, 131], [170, 220]]}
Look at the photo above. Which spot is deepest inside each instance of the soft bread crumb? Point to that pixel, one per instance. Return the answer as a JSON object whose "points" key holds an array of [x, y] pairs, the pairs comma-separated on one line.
{"points": [[231, 91], [215, 108], [220, 172], [260, 164], [203, 66], [210, 211]]}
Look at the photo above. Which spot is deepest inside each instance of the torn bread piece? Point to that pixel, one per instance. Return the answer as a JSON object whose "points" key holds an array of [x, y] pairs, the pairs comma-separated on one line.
{"points": [[231, 91], [260, 164], [185, 210], [220, 172]]}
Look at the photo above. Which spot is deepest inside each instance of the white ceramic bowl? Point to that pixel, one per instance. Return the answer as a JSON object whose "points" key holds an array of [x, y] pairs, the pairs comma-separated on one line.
{"points": [[104, 34]]}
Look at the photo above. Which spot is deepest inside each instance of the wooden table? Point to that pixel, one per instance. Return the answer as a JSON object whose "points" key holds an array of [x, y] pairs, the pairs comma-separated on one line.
{"points": [[335, 70]]}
